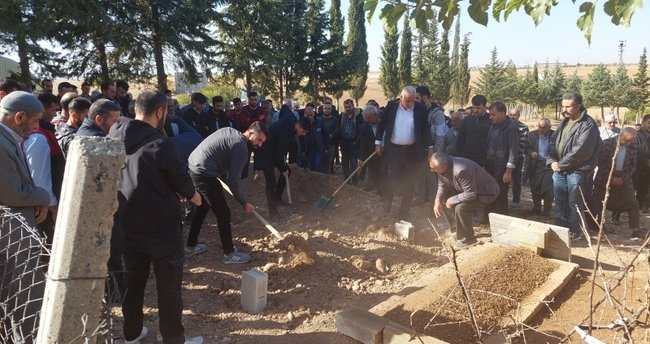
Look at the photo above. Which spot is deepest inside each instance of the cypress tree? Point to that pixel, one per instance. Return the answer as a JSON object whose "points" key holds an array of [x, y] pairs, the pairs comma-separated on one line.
{"points": [[639, 91], [317, 46], [463, 72], [440, 83], [389, 79], [419, 75], [406, 45], [357, 49], [337, 65], [455, 86], [597, 88], [490, 80]]}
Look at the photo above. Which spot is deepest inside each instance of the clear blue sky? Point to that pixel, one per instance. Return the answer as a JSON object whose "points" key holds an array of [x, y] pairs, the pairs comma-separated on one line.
{"points": [[556, 38]]}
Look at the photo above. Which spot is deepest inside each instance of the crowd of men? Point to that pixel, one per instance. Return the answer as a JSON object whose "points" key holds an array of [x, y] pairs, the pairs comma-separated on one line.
{"points": [[409, 149]]}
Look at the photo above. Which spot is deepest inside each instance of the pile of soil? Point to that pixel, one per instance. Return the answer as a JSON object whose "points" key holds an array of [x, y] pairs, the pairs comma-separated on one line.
{"points": [[496, 281]]}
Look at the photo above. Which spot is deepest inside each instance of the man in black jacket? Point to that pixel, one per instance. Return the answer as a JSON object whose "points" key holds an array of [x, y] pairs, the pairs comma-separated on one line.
{"points": [[101, 117], [404, 131], [473, 132], [273, 154], [150, 215]]}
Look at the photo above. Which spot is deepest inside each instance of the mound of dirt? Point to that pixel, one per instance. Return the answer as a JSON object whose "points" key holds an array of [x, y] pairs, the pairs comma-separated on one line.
{"points": [[496, 281]]}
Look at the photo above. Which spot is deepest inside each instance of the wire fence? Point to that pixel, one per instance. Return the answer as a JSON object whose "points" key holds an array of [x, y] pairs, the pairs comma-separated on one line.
{"points": [[24, 257]]}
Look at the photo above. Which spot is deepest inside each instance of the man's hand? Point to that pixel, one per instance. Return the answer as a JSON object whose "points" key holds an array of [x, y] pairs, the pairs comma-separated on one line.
{"points": [[437, 208], [248, 207], [448, 204], [379, 150], [617, 181], [555, 167], [55, 211], [40, 213], [196, 199], [507, 176], [533, 155]]}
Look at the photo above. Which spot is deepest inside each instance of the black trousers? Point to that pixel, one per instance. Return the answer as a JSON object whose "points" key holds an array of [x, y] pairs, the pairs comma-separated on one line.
{"points": [[403, 168], [274, 187], [212, 197], [500, 205], [163, 249], [641, 184]]}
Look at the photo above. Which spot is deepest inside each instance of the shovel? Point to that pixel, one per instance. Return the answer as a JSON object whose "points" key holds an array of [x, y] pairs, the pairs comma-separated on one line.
{"points": [[324, 202], [257, 215]]}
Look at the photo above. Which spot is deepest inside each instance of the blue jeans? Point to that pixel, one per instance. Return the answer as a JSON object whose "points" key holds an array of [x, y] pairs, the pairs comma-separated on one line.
{"points": [[566, 191]]}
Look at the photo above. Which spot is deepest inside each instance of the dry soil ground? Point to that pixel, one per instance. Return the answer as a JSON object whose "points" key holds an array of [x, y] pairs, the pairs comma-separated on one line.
{"points": [[352, 257]]}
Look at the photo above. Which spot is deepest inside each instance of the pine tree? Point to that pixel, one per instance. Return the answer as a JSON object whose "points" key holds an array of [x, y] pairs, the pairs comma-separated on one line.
{"points": [[529, 86], [440, 82], [317, 58], [573, 83], [639, 91], [554, 85], [490, 80], [357, 49], [389, 79], [419, 75], [23, 27], [597, 88], [406, 46], [454, 64], [337, 65], [430, 48], [463, 73], [510, 83], [620, 88]]}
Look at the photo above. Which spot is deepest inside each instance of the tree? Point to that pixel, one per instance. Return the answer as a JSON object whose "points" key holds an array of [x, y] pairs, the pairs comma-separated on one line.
{"points": [[490, 80], [419, 74], [553, 82], [357, 49], [463, 75], [454, 61], [620, 11], [388, 79], [620, 87], [337, 66], [639, 91], [510, 83], [317, 46], [597, 88], [440, 81], [405, 74], [23, 27], [574, 83]]}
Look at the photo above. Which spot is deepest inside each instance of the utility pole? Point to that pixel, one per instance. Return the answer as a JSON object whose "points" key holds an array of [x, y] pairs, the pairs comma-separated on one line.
{"points": [[621, 46]]}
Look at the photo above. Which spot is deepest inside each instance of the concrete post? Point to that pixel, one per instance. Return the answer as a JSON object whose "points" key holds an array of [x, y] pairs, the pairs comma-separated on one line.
{"points": [[77, 271]]}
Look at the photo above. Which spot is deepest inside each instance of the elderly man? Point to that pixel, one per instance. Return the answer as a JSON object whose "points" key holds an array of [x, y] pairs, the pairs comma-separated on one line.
{"points": [[451, 136], [502, 152], [540, 175], [621, 187], [20, 113], [367, 133], [573, 156], [609, 129], [523, 153], [463, 187], [403, 140]]}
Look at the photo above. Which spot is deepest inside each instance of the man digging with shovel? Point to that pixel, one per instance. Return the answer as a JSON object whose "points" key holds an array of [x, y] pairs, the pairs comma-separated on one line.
{"points": [[221, 155]]}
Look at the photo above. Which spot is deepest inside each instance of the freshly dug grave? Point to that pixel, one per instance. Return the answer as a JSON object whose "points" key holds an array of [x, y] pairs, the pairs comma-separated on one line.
{"points": [[496, 281]]}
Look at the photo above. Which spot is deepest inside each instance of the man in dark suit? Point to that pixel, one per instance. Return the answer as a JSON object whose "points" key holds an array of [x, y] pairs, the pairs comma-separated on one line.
{"points": [[404, 132], [540, 176], [463, 187]]}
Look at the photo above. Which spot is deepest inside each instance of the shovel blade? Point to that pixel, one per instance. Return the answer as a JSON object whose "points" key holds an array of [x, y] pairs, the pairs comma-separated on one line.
{"points": [[323, 203]]}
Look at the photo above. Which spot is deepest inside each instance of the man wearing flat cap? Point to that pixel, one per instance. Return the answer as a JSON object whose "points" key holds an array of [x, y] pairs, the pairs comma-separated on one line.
{"points": [[19, 115]]}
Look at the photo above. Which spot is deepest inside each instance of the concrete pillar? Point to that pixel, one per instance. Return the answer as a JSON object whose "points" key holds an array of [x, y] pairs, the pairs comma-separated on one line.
{"points": [[77, 271], [254, 285]]}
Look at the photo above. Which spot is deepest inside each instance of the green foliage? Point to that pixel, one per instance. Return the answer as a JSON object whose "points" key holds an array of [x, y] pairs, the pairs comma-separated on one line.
{"points": [[620, 88], [455, 87], [357, 49], [553, 85], [388, 79], [597, 88], [405, 48], [462, 74], [317, 46], [620, 11], [574, 83], [639, 94], [337, 65], [441, 73], [491, 81]]}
